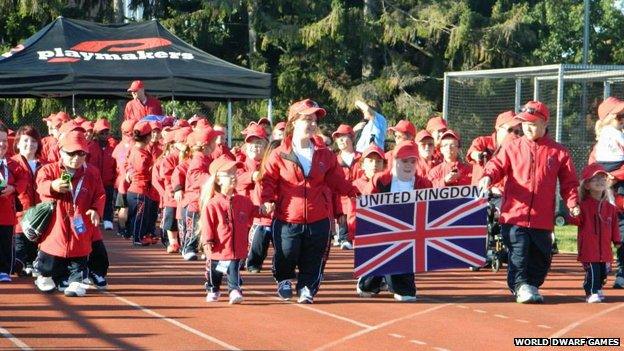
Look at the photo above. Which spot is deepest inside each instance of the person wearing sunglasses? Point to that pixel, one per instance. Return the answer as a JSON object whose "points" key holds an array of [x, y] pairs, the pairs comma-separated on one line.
{"points": [[77, 189], [609, 153], [532, 164], [506, 128]]}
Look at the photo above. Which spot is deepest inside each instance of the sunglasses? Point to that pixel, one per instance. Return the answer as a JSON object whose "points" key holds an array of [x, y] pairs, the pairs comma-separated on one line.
{"points": [[619, 117], [78, 153], [532, 110], [516, 131]]}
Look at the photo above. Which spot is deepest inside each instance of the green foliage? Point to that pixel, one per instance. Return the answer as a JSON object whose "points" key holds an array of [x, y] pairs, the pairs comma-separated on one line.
{"points": [[392, 54]]}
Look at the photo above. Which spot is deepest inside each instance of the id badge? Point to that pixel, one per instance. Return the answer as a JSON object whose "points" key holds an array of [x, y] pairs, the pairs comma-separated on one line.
{"points": [[222, 266], [78, 224]]}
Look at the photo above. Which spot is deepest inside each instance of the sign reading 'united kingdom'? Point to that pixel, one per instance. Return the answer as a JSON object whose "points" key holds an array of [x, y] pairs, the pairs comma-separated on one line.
{"points": [[420, 230]]}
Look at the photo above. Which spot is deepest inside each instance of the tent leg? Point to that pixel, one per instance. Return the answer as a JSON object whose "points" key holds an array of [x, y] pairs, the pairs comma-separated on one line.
{"points": [[270, 111], [229, 123], [73, 105]]}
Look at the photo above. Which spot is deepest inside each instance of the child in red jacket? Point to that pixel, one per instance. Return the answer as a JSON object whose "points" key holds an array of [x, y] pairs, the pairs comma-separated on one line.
{"points": [[597, 229], [225, 219]]}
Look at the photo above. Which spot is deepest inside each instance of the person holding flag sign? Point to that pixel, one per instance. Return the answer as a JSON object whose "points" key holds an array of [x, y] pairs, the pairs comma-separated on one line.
{"points": [[532, 164]]}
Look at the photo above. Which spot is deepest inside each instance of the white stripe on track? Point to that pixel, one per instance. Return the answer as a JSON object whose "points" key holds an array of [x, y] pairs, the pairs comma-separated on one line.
{"points": [[17, 342], [174, 322]]}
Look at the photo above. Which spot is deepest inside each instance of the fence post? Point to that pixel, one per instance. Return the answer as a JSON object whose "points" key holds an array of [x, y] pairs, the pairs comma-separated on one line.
{"points": [[518, 96], [229, 123], [536, 88], [445, 97], [270, 111], [606, 91], [559, 121]]}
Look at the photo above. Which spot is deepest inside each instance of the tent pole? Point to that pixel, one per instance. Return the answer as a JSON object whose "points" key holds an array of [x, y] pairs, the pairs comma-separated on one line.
{"points": [[229, 123], [270, 111], [74, 105]]}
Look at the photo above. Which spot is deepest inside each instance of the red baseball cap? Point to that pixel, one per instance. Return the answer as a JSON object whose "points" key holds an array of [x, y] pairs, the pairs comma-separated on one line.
{"points": [[181, 134], [182, 123], [155, 125], [264, 120], [49, 118], [343, 129], [127, 126], [610, 105], [436, 123], [56, 120], [195, 119], [80, 120], [63, 116], [203, 136], [101, 124], [255, 131], [280, 126], [507, 117], [143, 127], [450, 133], [305, 107], [591, 170], [74, 141], [406, 149], [373, 149], [422, 135], [404, 126], [136, 86], [202, 123], [71, 126], [87, 125], [222, 163], [534, 110], [167, 121]]}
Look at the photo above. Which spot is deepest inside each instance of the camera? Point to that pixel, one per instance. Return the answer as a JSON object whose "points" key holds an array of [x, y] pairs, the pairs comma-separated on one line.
{"points": [[3, 184], [66, 177]]}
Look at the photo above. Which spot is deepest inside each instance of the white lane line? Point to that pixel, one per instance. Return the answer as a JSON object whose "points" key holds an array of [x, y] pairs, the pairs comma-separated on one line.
{"points": [[174, 322], [480, 311], [309, 308], [378, 326], [17, 342], [462, 306], [440, 349], [544, 326], [418, 342], [398, 336], [522, 321], [501, 316]]}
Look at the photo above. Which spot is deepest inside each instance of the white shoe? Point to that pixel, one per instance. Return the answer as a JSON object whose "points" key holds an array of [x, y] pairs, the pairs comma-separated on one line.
{"points": [[593, 298], [235, 297], [75, 289], [345, 245], [45, 284], [360, 292], [305, 296], [404, 298], [108, 225], [190, 256], [524, 294], [213, 296]]}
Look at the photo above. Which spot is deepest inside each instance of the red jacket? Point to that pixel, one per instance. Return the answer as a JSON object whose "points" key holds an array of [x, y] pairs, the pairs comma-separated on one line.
{"points": [[18, 178], [248, 188], [532, 169], [135, 109], [157, 182], [101, 157], [139, 164], [437, 174], [222, 149], [60, 239], [178, 182], [50, 151], [29, 197], [120, 154], [165, 172], [343, 204], [301, 199], [382, 183], [597, 229], [196, 176], [225, 222]]}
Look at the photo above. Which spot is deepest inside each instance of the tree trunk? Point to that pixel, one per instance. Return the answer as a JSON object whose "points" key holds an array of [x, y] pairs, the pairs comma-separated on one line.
{"points": [[252, 7], [371, 13], [118, 9]]}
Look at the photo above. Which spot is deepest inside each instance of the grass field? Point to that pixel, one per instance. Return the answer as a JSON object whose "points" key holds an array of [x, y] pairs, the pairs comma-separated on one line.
{"points": [[566, 238]]}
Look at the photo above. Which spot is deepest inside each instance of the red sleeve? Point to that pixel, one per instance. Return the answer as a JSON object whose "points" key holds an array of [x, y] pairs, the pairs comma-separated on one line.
{"points": [[270, 177], [243, 180], [99, 195], [616, 237], [21, 177], [335, 179], [436, 176], [478, 144], [142, 163], [499, 166], [157, 181], [45, 176], [178, 178], [208, 224], [568, 182]]}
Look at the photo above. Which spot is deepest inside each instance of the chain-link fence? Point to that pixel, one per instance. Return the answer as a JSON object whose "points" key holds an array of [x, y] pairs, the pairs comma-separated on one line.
{"points": [[473, 99]]}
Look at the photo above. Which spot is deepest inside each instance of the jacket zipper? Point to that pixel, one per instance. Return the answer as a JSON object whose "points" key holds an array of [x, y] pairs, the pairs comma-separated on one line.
{"points": [[532, 175]]}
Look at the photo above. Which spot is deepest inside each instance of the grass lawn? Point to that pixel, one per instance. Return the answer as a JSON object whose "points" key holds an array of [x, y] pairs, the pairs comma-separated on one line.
{"points": [[566, 238]]}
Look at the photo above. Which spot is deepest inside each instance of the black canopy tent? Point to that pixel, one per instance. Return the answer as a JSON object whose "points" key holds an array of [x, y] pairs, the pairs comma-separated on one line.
{"points": [[78, 58]]}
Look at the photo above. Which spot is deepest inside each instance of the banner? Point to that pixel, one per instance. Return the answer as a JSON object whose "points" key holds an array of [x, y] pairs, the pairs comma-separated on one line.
{"points": [[420, 230]]}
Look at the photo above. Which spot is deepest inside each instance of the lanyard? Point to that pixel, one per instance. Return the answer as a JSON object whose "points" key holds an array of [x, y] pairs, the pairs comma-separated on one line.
{"points": [[5, 174], [78, 188]]}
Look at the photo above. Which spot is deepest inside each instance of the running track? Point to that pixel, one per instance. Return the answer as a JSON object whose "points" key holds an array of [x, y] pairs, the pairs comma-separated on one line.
{"points": [[156, 301]]}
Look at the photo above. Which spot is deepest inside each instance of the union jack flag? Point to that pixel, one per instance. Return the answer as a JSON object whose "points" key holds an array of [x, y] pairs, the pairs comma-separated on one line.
{"points": [[420, 235]]}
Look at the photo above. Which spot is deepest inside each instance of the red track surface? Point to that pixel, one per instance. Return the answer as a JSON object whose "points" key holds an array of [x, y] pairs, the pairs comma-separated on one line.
{"points": [[156, 301]]}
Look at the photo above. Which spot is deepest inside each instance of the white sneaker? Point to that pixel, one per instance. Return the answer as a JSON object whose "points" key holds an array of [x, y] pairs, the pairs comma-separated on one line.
{"points": [[45, 284], [360, 292], [235, 297], [213, 296], [619, 283], [75, 289], [345, 245], [190, 256], [335, 242], [524, 294], [305, 296], [593, 298], [108, 225], [404, 298]]}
